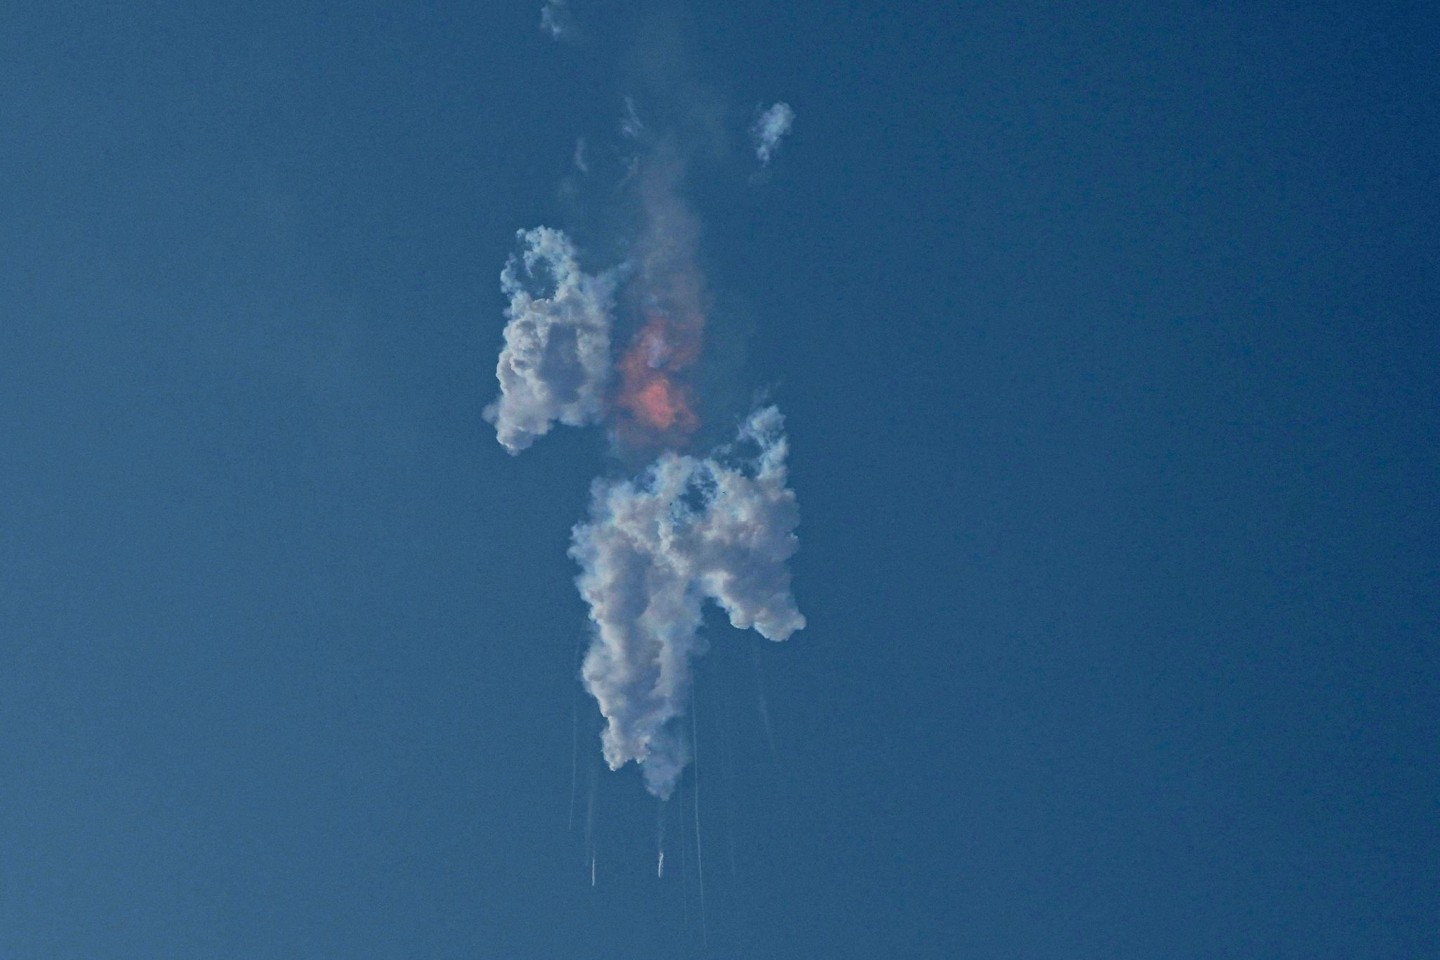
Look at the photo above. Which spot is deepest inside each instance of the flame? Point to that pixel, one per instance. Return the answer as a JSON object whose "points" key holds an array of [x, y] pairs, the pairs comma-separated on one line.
{"points": [[654, 396], [654, 401]]}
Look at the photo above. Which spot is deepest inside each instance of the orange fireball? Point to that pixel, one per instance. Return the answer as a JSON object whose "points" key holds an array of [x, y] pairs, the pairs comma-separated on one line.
{"points": [[653, 394]]}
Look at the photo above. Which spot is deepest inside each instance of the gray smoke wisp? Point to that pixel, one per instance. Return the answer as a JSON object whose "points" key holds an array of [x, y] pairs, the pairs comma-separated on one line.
{"points": [[555, 19], [555, 365], [653, 550], [771, 125]]}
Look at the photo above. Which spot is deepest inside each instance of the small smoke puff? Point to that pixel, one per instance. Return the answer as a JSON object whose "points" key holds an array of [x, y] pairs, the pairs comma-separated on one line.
{"points": [[771, 125], [555, 364], [651, 553], [555, 19]]}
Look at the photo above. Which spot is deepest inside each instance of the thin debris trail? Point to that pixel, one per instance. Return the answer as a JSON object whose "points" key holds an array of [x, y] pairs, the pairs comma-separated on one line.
{"points": [[684, 864], [660, 841], [764, 706], [574, 758], [574, 741], [590, 825], [727, 781], [699, 858]]}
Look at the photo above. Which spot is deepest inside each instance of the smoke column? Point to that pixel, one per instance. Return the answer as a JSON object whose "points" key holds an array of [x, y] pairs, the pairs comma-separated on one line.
{"points": [[688, 528]]}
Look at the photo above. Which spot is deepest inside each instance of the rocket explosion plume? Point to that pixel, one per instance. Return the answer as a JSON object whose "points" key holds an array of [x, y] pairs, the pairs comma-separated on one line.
{"points": [[655, 548]]}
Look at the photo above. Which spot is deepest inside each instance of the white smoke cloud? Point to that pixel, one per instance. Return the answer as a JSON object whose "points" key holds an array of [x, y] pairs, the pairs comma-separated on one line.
{"points": [[773, 124], [651, 553], [556, 360]]}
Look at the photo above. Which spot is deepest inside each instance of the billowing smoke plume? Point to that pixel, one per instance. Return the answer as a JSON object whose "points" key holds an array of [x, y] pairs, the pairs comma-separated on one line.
{"points": [[651, 553], [555, 365], [773, 124]]}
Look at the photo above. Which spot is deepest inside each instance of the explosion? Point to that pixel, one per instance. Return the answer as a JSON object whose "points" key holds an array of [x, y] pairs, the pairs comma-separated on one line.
{"points": [[688, 528], [654, 400]]}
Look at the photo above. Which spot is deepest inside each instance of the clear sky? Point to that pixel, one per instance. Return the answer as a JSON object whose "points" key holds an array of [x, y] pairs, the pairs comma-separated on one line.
{"points": [[1106, 337]]}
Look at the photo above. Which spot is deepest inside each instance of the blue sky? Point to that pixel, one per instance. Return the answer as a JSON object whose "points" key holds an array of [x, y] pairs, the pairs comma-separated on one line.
{"points": [[1106, 341]]}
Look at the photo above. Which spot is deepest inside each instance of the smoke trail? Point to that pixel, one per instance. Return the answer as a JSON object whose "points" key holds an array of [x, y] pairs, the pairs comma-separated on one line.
{"points": [[652, 552], [555, 364]]}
